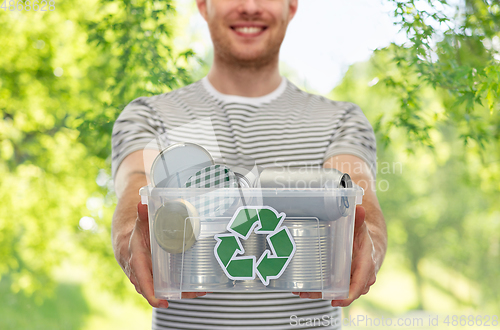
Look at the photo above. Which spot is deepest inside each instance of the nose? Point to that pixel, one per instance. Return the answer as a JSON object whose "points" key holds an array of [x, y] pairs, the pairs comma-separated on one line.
{"points": [[250, 7]]}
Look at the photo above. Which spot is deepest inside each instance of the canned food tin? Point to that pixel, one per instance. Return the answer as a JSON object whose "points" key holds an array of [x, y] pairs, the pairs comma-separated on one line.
{"points": [[253, 246], [198, 266], [310, 266]]}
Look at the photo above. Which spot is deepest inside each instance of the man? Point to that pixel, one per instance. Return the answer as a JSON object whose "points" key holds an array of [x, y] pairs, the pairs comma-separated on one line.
{"points": [[255, 113]]}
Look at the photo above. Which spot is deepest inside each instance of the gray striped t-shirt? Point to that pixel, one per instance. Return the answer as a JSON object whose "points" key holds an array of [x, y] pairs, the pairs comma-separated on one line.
{"points": [[287, 127]]}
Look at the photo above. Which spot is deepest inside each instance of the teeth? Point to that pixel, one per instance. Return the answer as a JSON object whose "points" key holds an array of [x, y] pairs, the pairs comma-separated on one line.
{"points": [[248, 30]]}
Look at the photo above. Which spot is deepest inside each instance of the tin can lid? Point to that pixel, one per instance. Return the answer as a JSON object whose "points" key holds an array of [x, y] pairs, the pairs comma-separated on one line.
{"points": [[176, 226], [215, 176], [177, 163]]}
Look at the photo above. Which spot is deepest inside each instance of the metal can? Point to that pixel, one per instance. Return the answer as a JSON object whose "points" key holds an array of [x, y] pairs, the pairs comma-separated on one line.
{"points": [[332, 207], [310, 267], [303, 177], [248, 177], [253, 246], [197, 267]]}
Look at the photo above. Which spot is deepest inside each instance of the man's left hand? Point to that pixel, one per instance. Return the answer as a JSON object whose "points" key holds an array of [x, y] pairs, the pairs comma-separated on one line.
{"points": [[363, 266]]}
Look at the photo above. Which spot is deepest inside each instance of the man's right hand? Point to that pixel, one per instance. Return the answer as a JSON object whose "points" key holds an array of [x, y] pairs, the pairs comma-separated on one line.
{"points": [[139, 267], [130, 226]]}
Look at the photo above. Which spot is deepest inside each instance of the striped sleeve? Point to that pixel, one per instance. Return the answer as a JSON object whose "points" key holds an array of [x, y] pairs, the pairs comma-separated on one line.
{"points": [[355, 137], [136, 126]]}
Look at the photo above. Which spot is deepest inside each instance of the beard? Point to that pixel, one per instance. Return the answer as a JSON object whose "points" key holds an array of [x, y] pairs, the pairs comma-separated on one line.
{"points": [[254, 60]]}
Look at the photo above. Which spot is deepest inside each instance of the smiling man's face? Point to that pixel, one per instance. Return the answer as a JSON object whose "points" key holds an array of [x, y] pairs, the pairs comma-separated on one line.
{"points": [[247, 33]]}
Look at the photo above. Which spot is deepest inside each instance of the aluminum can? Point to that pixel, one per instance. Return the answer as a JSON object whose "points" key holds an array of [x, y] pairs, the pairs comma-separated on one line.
{"points": [[330, 208]]}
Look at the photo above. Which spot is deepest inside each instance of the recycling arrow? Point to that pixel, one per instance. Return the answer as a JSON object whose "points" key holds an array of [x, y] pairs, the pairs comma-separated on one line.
{"points": [[272, 263], [228, 247], [226, 250], [269, 220], [269, 267], [243, 221]]}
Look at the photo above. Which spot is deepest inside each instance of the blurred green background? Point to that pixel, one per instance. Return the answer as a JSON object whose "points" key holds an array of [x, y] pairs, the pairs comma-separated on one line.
{"points": [[65, 75]]}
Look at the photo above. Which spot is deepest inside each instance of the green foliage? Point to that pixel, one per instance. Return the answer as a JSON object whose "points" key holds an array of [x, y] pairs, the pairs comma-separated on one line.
{"points": [[136, 55], [454, 50], [66, 309], [64, 77], [440, 203]]}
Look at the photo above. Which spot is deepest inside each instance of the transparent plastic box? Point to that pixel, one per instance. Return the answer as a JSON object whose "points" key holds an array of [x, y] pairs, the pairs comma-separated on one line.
{"points": [[251, 239]]}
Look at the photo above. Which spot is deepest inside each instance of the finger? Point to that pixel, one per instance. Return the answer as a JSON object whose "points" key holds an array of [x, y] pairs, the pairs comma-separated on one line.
{"points": [[315, 295], [190, 295], [357, 286], [141, 268], [358, 283], [360, 217], [372, 280], [142, 222], [162, 304], [142, 211], [142, 225], [365, 291], [310, 295], [134, 281]]}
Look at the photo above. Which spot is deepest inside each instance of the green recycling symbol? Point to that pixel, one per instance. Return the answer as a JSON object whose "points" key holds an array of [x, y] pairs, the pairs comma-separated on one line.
{"points": [[271, 264]]}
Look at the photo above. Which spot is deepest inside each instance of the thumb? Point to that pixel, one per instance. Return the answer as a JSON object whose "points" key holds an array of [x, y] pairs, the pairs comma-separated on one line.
{"points": [[360, 217], [142, 211]]}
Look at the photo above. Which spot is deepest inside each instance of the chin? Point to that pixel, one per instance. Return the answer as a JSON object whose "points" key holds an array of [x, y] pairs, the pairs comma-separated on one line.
{"points": [[252, 62], [253, 56]]}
